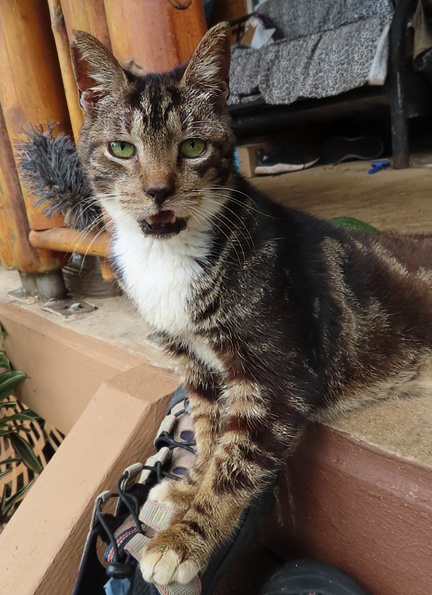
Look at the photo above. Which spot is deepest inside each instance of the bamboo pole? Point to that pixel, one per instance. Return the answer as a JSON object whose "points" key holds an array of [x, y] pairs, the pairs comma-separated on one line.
{"points": [[63, 51], [72, 240], [189, 25], [87, 15], [15, 250], [66, 16], [158, 35], [31, 90]]}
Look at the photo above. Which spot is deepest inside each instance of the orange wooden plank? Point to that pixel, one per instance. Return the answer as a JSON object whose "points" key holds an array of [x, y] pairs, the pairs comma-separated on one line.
{"points": [[64, 239]]}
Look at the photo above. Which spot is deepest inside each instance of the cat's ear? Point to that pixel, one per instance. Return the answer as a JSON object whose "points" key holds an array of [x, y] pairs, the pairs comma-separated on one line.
{"points": [[97, 72], [208, 68]]}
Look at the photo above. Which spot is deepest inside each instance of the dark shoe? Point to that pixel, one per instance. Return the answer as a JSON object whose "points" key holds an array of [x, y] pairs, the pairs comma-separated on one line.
{"points": [[282, 160], [306, 577], [137, 518], [338, 149]]}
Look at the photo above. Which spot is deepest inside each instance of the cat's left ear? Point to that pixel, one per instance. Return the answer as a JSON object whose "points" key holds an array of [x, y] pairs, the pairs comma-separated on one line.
{"points": [[208, 68]]}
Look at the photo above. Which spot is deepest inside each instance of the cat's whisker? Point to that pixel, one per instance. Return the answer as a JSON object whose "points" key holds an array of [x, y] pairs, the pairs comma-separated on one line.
{"points": [[246, 233], [93, 240], [248, 205], [229, 224], [82, 220], [228, 194], [83, 233], [231, 235], [201, 216], [248, 236]]}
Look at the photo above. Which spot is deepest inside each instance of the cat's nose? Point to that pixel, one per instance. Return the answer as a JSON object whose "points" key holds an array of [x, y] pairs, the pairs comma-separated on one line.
{"points": [[159, 194]]}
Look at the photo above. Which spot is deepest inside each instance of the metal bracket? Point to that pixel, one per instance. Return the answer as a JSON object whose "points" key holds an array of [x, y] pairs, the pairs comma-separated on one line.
{"points": [[68, 308]]}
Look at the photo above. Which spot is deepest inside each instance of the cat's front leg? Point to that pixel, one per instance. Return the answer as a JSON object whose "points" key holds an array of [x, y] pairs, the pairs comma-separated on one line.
{"points": [[203, 389], [250, 449]]}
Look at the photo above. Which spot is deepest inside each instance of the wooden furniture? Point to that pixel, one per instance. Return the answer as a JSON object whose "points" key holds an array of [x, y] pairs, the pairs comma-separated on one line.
{"points": [[406, 94]]}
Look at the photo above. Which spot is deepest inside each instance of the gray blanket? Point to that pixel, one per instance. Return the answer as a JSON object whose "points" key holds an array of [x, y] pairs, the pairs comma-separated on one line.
{"points": [[329, 47]]}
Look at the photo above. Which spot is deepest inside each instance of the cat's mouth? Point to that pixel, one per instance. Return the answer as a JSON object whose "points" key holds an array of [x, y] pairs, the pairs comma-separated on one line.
{"points": [[164, 223]]}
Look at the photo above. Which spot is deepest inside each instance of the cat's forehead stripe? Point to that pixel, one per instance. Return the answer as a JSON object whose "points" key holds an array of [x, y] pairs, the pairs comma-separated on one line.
{"points": [[155, 99]]}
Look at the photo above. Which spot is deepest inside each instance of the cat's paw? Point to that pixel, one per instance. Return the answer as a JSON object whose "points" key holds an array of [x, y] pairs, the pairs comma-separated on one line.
{"points": [[173, 555], [178, 495], [163, 493]]}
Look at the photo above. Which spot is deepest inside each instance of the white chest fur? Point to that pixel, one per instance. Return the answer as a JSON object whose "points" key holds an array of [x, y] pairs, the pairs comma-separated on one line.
{"points": [[158, 274]]}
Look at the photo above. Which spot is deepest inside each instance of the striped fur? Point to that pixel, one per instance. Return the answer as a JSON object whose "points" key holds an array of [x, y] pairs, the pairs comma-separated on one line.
{"points": [[272, 317]]}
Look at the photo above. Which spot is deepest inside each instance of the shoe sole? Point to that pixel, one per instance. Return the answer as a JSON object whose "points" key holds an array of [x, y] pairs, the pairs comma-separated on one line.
{"points": [[280, 168], [339, 149], [310, 577]]}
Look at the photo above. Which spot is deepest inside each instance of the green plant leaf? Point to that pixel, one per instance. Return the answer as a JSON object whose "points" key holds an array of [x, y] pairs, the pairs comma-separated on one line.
{"points": [[353, 224], [5, 430], [8, 383], [4, 361], [27, 415], [8, 503], [4, 473], [10, 460], [23, 449]]}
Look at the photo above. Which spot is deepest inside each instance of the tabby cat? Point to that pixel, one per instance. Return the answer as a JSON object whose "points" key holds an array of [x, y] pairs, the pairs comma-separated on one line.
{"points": [[273, 317]]}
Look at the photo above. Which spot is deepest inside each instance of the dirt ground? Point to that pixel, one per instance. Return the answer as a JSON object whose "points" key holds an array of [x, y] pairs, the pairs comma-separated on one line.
{"points": [[389, 199]]}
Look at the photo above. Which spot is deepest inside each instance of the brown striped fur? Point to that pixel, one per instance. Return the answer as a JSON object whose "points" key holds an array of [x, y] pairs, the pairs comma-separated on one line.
{"points": [[272, 317]]}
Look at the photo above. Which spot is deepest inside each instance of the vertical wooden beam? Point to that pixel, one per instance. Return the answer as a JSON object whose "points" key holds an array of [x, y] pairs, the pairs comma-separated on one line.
{"points": [[67, 15], [15, 249], [87, 15], [63, 51], [31, 89], [158, 35], [189, 23]]}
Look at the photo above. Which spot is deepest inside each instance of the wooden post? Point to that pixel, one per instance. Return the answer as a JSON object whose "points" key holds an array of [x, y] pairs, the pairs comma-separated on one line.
{"points": [[189, 24], [63, 51], [88, 15], [158, 35], [31, 89]]}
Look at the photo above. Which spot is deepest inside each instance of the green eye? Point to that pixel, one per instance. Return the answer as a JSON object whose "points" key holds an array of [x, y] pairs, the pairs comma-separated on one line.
{"points": [[192, 147], [121, 149]]}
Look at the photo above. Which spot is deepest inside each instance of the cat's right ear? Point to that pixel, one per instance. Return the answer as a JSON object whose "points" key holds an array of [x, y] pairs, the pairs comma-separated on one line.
{"points": [[97, 72], [208, 68]]}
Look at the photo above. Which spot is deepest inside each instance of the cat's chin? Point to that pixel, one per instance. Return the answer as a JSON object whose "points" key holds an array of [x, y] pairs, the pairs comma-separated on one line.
{"points": [[159, 227]]}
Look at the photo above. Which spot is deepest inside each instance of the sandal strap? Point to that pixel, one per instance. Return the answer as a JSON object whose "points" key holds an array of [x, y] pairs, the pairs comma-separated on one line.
{"points": [[156, 515]]}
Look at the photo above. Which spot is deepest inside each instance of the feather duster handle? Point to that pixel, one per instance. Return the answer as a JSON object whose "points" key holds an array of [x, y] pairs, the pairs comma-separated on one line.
{"points": [[51, 171]]}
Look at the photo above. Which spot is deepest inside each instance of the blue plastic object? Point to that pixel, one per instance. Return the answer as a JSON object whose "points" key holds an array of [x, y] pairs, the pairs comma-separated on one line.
{"points": [[377, 166], [117, 586]]}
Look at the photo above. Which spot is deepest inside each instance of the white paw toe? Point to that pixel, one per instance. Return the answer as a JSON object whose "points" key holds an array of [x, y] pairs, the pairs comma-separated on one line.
{"points": [[160, 568], [186, 572], [161, 492]]}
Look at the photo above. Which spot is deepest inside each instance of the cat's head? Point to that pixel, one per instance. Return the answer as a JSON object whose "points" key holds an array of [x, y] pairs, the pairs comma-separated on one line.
{"points": [[158, 148]]}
